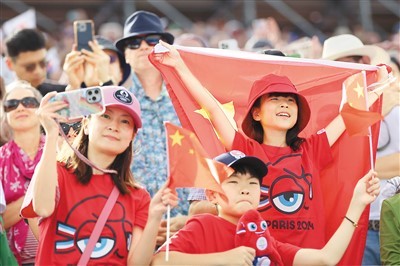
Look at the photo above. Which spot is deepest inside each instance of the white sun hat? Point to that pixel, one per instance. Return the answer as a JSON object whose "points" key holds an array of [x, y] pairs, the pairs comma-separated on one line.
{"points": [[349, 45]]}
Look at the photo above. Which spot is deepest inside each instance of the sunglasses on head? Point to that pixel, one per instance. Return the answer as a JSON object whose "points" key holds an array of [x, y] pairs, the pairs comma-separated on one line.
{"points": [[31, 67], [27, 102], [151, 39], [66, 127]]}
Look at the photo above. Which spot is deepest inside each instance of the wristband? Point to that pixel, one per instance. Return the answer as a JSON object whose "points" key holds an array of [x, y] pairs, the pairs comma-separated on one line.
{"points": [[351, 221]]}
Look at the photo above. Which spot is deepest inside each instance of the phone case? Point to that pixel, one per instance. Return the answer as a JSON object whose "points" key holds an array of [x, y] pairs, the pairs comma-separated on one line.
{"points": [[83, 30], [82, 102]]}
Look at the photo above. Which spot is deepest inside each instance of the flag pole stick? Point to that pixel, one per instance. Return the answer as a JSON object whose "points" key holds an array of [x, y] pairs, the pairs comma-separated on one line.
{"points": [[168, 206], [371, 152], [168, 232]]}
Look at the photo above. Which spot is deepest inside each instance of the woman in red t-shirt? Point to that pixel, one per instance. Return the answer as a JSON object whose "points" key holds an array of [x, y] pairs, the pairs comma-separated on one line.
{"points": [[69, 194]]}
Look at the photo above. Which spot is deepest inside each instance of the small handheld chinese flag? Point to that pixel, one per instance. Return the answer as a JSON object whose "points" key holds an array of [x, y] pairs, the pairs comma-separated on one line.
{"points": [[188, 162], [355, 112]]}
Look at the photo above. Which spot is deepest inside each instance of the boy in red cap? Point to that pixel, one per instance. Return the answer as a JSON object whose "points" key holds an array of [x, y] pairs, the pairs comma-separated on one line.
{"points": [[238, 235], [291, 197]]}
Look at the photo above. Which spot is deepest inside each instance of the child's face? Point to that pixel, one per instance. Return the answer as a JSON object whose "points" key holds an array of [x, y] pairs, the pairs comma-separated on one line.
{"points": [[277, 112], [243, 194]]}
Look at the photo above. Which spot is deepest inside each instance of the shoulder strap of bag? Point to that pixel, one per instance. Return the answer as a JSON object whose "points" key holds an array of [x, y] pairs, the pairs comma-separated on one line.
{"points": [[99, 226]]}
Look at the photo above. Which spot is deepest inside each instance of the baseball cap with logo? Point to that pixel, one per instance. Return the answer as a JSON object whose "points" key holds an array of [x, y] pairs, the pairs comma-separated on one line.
{"points": [[120, 97], [236, 157]]}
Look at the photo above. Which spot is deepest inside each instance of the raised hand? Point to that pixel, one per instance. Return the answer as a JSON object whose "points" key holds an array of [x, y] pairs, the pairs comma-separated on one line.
{"points": [[47, 113], [171, 58], [164, 197], [73, 67], [367, 188], [97, 65]]}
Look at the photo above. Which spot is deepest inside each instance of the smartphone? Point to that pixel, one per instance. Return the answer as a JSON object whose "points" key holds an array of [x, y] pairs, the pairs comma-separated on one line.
{"points": [[83, 32], [230, 44], [82, 102]]}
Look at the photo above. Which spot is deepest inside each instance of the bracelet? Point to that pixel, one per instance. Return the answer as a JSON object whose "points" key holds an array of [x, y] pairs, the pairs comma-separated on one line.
{"points": [[351, 221]]}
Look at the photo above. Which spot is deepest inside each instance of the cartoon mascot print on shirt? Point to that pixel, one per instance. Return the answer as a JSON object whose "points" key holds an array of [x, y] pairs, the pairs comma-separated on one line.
{"points": [[74, 232]]}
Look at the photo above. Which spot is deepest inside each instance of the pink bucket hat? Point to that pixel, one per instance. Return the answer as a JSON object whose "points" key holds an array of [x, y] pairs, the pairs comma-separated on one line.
{"points": [[269, 84], [120, 97]]}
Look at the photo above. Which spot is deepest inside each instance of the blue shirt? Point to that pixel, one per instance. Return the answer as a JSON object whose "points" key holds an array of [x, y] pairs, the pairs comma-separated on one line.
{"points": [[149, 164]]}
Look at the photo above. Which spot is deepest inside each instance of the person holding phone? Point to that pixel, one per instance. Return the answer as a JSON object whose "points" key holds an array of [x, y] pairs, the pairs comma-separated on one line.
{"points": [[18, 159], [102, 65], [65, 187]]}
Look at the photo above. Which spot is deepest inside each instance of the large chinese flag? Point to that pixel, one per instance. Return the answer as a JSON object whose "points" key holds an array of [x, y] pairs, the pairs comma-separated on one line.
{"points": [[188, 163], [355, 112], [228, 75]]}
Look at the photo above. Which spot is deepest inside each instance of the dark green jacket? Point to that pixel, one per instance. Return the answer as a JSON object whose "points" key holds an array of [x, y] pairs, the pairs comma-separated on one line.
{"points": [[390, 231]]}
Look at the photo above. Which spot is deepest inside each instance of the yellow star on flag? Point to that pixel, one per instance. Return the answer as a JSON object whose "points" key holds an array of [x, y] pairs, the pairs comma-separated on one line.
{"points": [[176, 138], [229, 110], [359, 90]]}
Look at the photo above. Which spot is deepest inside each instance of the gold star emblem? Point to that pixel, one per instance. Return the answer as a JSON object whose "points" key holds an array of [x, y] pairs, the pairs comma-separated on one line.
{"points": [[176, 138], [227, 108], [359, 90]]}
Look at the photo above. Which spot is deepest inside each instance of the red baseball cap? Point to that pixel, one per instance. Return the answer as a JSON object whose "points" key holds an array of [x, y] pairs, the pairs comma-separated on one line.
{"points": [[269, 84]]}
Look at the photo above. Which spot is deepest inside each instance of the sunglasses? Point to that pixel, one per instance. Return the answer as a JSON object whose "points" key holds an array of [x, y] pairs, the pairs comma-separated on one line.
{"points": [[151, 39], [27, 102], [66, 127], [31, 67]]}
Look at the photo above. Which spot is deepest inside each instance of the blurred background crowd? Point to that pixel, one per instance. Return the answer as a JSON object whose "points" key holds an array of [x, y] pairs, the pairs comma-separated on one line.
{"points": [[294, 27]]}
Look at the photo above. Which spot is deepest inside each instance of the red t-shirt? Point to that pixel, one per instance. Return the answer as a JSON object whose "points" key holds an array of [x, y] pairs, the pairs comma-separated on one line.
{"points": [[65, 234], [207, 233], [291, 197]]}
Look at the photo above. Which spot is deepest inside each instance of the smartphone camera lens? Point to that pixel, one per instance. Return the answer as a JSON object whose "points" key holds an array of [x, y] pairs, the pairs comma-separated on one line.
{"points": [[90, 92], [94, 98], [82, 27]]}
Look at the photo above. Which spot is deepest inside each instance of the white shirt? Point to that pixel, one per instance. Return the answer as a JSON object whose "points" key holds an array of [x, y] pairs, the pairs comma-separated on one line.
{"points": [[2, 200]]}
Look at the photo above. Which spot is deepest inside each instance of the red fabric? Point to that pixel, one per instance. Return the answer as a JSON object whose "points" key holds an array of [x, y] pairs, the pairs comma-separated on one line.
{"points": [[291, 197], [229, 75], [188, 163], [67, 230], [358, 121], [206, 233]]}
